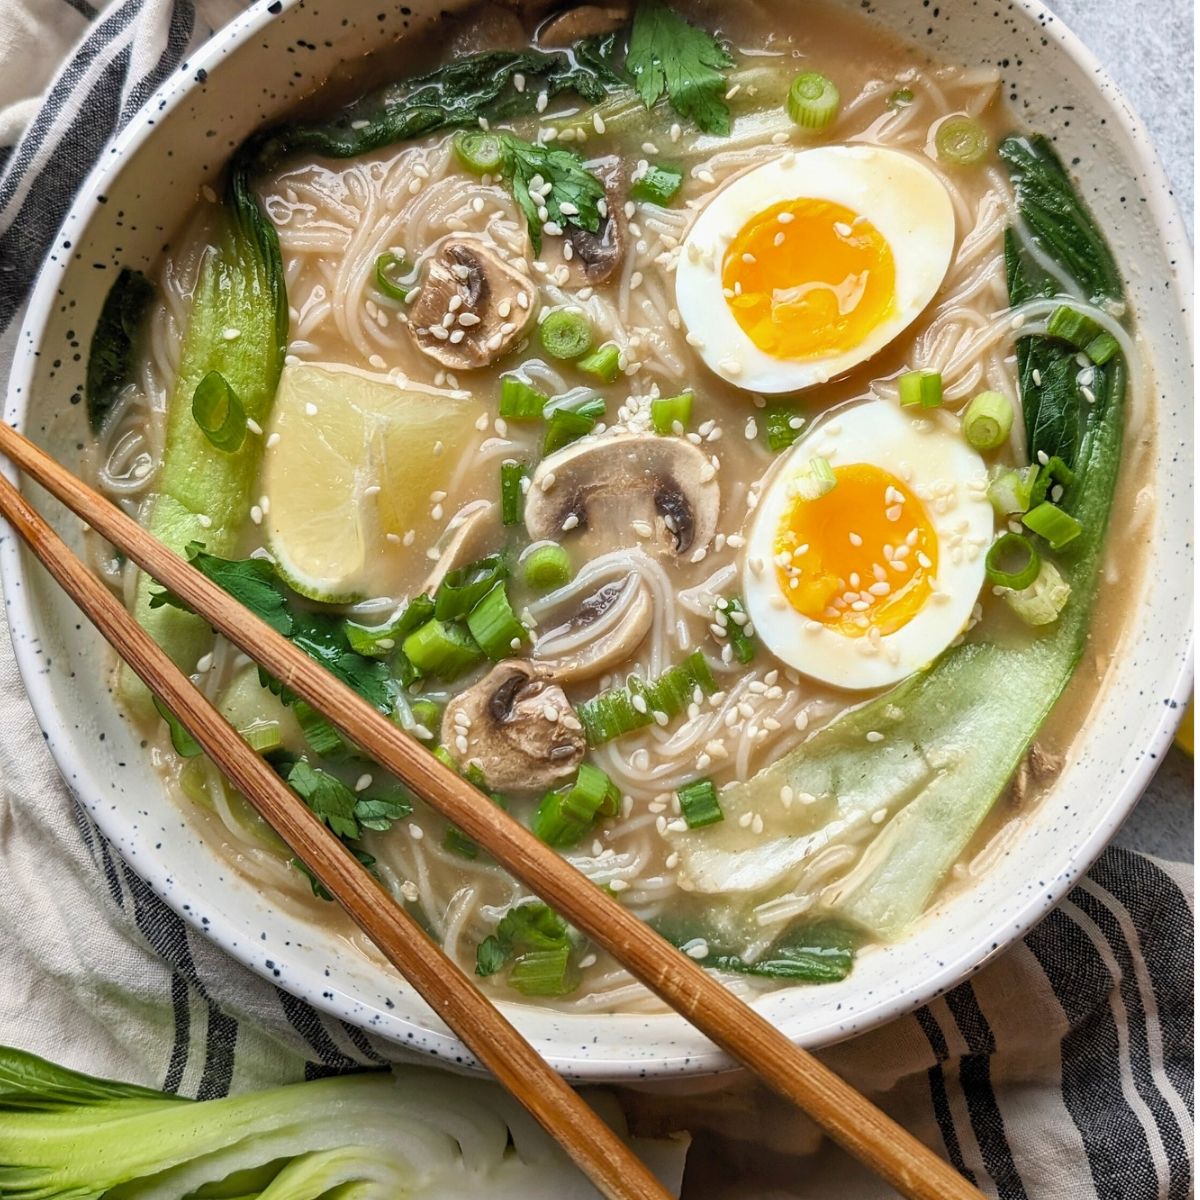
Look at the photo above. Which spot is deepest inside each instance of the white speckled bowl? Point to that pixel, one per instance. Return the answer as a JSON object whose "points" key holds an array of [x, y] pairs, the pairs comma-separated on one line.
{"points": [[257, 67]]}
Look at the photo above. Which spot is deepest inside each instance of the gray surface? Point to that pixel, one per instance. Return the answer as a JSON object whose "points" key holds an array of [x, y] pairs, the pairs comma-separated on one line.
{"points": [[1147, 48]]}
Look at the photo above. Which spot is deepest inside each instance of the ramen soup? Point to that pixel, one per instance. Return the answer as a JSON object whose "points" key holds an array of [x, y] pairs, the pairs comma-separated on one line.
{"points": [[697, 425]]}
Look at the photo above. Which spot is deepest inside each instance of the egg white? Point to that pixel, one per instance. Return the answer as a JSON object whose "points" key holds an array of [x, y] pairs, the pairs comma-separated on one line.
{"points": [[895, 191], [927, 453]]}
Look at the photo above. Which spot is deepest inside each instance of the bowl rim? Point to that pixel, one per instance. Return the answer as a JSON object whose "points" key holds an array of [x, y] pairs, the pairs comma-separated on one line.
{"points": [[444, 1046]]}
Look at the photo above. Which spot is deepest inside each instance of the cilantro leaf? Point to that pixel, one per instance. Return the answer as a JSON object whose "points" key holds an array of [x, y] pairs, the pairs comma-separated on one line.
{"points": [[667, 54], [327, 796], [490, 956], [526, 927], [379, 811], [252, 582], [571, 183]]}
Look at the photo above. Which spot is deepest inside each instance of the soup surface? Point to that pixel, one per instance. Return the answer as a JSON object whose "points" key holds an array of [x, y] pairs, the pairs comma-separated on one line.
{"points": [[691, 474]]}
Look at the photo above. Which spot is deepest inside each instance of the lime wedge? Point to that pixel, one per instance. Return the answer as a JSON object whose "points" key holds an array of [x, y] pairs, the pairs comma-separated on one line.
{"points": [[356, 458]]}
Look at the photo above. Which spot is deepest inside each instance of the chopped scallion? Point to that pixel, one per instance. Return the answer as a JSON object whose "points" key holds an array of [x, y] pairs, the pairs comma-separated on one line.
{"points": [[547, 566], [380, 641], [988, 421], [1070, 325], [566, 425], [813, 101], [426, 714], [1012, 562], [318, 732], [1055, 471], [1044, 599], [962, 141], [494, 625], [482, 153], [667, 411], [659, 185], [566, 334], [1056, 526], [512, 491], [782, 424], [699, 804], [564, 816], [544, 973], [738, 629], [622, 710], [921, 389], [1102, 347], [519, 401], [263, 736], [463, 588], [604, 362], [218, 411], [441, 650], [1011, 491], [388, 267], [815, 480]]}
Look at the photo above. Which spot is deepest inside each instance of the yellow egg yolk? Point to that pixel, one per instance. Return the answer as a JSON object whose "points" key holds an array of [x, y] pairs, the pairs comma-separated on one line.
{"points": [[808, 278], [861, 557]]}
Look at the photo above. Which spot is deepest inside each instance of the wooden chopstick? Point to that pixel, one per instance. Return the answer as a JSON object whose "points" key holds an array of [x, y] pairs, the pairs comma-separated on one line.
{"points": [[862, 1128], [607, 1161]]}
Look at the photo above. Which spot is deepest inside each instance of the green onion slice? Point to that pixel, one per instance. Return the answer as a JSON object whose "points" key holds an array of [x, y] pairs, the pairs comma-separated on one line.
{"points": [[387, 266], [519, 401], [1070, 325], [379, 641], [988, 421], [219, 412], [699, 804], [547, 566], [1011, 491], [494, 625], [619, 711], [962, 141], [738, 629], [426, 714], [566, 334], [813, 101], [1056, 526], [318, 732], [482, 153], [604, 363], [568, 424], [442, 650], [464, 587], [921, 389], [817, 479], [512, 491], [659, 185], [1012, 562], [782, 424], [544, 973], [1101, 348], [564, 816], [263, 736], [667, 411]]}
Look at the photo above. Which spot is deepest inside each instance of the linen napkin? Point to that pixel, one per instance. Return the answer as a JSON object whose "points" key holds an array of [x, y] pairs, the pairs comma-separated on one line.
{"points": [[1063, 1070]]}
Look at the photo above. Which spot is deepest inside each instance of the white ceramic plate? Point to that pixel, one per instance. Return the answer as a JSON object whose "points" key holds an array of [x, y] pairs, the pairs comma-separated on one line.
{"points": [[253, 71]]}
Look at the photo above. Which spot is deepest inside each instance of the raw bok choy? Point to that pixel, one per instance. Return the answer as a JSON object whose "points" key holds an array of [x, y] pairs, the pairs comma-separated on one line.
{"points": [[905, 802], [378, 1136]]}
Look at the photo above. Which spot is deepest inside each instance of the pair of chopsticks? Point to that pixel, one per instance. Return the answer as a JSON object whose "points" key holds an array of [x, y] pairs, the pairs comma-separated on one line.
{"points": [[860, 1127]]}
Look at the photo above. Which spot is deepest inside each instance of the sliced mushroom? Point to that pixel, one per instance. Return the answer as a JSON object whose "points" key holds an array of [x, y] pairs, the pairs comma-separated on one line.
{"points": [[488, 27], [469, 311], [518, 726], [602, 631], [598, 256], [564, 29], [662, 491], [463, 542]]}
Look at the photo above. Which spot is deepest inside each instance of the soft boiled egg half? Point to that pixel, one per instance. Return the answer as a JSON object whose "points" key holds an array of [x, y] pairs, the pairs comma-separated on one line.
{"points": [[860, 583], [810, 264]]}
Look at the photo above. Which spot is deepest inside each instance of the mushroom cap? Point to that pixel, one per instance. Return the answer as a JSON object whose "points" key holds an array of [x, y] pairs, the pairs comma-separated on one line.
{"points": [[506, 721], [564, 29], [465, 287], [624, 483], [598, 256], [601, 632]]}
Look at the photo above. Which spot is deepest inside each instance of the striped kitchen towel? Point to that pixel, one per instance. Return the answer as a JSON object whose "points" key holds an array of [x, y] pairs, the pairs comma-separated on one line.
{"points": [[1063, 1070]]}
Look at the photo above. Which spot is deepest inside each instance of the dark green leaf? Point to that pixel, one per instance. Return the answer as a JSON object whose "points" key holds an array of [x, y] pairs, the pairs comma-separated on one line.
{"points": [[490, 956], [185, 745], [327, 796], [112, 358], [379, 810], [31, 1084], [219, 413], [668, 55], [570, 183]]}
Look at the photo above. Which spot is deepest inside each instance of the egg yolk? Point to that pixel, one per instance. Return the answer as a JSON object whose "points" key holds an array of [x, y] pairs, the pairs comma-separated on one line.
{"points": [[808, 278], [861, 557]]}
